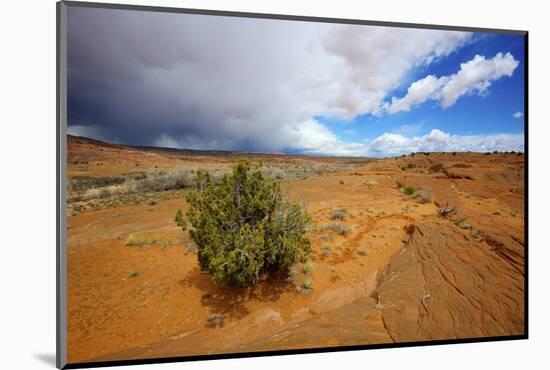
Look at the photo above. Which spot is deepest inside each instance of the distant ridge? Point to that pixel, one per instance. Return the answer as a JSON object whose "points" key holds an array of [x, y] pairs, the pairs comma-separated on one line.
{"points": [[164, 149]]}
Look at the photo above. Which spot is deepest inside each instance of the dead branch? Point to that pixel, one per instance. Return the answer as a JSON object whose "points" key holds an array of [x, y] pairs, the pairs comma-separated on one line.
{"points": [[446, 210]]}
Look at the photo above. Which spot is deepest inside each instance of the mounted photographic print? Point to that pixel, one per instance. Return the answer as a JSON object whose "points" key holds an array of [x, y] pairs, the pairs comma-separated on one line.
{"points": [[238, 184]]}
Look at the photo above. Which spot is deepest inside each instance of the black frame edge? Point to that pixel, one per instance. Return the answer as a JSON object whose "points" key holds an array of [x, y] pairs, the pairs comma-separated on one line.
{"points": [[61, 145], [302, 351], [526, 185], [58, 361], [288, 17]]}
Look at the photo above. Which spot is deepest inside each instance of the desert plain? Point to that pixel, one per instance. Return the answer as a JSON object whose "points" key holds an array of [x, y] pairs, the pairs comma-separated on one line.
{"points": [[421, 247]]}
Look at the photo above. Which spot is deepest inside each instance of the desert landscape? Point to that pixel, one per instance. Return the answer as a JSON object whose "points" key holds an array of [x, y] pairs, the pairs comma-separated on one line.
{"points": [[417, 247], [243, 185]]}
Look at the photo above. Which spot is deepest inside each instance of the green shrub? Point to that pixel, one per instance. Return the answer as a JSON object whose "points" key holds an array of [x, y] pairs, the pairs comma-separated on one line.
{"points": [[179, 217], [409, 190], [244, 226], [180, 221]]}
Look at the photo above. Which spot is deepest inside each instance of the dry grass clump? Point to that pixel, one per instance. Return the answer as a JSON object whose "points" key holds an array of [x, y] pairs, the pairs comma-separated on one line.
{"points": [[81, 183], [423, 195], [278, 174], [165, 243], [88, 188], [338, 214], [337, 228], [326, 250], [97, 193], [141, 240], [165, 180], [308, 268], [362, 251], [133, 273], [292, 274], [301, 171], [306, 287]]}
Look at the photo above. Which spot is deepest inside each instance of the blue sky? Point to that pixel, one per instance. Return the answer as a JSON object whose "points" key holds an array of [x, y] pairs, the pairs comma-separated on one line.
{"points": [[298, 87]]}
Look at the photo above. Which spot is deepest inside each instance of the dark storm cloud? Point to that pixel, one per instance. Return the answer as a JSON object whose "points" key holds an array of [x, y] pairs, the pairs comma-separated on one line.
{"points": [[231, 83], [136, 76]]}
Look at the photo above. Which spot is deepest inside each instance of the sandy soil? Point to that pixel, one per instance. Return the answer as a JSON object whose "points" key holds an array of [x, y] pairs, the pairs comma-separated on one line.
{"points": [[453, 277]]}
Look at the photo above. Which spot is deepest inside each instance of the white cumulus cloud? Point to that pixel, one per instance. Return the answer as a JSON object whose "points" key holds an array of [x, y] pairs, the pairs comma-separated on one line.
{"points": [[517, 115], [474, 76], [417, 93], [391, 144]]}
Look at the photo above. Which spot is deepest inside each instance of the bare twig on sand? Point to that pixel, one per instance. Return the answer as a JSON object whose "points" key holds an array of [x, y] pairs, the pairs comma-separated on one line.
{"points": [[446, 210]]}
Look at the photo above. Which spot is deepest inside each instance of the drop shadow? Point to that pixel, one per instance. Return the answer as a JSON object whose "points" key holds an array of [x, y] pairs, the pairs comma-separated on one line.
{"points": [[46, 358]]}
